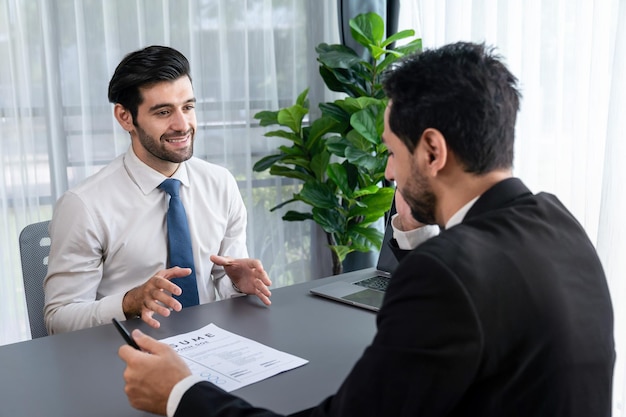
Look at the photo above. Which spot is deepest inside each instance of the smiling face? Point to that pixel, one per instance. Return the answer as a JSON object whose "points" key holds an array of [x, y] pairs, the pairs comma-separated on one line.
{"points": [[163, 133]]}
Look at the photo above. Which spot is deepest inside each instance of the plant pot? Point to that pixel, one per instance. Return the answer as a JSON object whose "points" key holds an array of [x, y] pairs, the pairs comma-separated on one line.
{"points": [[355, 261]]}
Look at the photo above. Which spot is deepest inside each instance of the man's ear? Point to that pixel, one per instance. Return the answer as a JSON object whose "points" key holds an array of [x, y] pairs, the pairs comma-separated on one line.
{"points": [[123, 116], [435, 148]]}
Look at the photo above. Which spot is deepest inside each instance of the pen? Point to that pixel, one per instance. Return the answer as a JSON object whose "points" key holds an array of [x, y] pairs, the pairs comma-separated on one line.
{"points": [[125, 333]]}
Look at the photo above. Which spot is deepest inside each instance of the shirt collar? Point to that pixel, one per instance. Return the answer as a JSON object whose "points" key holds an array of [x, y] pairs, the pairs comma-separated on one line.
{"points": [[146, 178], [460, 214]]}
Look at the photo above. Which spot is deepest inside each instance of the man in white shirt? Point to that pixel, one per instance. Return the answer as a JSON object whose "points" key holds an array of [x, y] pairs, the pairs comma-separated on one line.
{"points": [[109, 248]]}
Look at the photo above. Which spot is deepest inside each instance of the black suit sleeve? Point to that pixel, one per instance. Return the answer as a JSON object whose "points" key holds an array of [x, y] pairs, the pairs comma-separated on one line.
{"points": [[205, 399]]}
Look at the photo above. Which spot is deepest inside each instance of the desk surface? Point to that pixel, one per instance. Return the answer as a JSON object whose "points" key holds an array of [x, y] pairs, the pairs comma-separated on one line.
{"points": [[80, 374]]}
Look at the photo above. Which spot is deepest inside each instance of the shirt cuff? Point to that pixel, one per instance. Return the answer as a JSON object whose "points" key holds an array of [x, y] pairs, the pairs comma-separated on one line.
{"points": [[111, 306], [178, 391], [411, 239]]}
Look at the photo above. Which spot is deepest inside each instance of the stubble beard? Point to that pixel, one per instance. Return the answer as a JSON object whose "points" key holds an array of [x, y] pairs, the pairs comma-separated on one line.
{"points": [[156, 149], [421, 199]]}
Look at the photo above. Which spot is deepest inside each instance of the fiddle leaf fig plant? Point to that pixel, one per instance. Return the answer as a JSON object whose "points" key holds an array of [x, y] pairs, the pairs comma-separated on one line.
{"points": [[339, 157]]}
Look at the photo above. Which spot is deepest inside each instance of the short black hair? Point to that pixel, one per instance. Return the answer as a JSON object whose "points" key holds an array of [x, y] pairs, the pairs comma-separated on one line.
{"points": [[143, 68], [464, 91]]}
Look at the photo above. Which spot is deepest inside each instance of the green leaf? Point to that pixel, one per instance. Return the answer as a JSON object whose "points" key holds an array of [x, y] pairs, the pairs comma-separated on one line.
{"points": [[372, 189], [353, 174], [296, 216], [367, 236], [411, 47], [335, 112], [367, 29], [331, 81], [397, 36], [361, 158], [319, 195], [380, 123], [292, 150], [358, 142], [350, 82], [364, 122], [337, 56], [319, 128], [266, 162], [337, 173], [337, 145], [374, 205], [297, 160], [267, 118], [385, 62], [351, 105], [302, 99], [377, 52], [291, 117], [318, 165], [281, 171], [330, 220], [285, 135]]}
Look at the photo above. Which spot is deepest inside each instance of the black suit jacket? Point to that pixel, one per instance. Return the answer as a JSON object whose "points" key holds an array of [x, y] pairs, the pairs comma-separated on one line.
{"points": [[506, 314]]}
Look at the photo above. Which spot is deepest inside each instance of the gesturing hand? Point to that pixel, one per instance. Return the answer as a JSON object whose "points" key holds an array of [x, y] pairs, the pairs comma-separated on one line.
{"points": [[154, 296], [247, 274]]}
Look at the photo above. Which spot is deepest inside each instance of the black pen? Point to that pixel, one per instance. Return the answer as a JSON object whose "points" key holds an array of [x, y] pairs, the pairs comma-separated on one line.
{"points": [[125, 334]]}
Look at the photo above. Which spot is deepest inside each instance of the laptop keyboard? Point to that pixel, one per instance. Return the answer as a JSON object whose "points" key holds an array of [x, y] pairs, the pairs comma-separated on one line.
{"points": [[375, 283]]}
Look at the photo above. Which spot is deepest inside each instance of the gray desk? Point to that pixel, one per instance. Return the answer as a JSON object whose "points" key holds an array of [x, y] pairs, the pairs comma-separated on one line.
{"points": [[80, 374]]}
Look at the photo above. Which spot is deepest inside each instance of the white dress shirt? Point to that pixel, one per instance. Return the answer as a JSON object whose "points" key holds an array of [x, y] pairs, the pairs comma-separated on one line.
{"points": [[109, 235]]}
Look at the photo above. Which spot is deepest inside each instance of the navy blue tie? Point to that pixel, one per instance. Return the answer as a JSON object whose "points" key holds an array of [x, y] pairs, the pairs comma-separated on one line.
{"points": [[179, 244]]}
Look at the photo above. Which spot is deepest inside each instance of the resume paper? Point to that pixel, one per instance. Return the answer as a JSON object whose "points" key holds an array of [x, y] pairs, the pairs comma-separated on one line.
{"points": [[229, 360]]}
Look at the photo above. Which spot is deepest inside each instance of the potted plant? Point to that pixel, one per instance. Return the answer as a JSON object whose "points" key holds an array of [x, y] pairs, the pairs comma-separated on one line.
{"points": [[339, 157]]}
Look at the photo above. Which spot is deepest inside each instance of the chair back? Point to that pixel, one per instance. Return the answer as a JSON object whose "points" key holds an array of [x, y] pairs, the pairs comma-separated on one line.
{"points": [[34, 250]]}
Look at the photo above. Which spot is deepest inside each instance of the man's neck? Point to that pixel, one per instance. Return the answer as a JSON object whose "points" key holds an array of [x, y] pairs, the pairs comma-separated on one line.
{"points": [[463, 189]]}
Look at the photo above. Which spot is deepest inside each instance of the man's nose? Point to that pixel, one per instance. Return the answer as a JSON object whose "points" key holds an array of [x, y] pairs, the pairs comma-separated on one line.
{"points": [[389, 170], [179, 121]]}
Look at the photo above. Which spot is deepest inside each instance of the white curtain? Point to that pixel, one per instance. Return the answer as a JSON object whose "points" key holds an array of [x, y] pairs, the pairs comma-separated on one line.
{"points": [[570, 59], [57, 128]]}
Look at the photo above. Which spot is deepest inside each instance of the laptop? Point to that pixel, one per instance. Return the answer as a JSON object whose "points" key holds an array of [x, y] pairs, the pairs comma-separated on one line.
{"points": [[366, 291]]}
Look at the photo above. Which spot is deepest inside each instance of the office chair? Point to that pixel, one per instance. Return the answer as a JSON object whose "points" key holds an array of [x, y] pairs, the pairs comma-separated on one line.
{"points": [[34, 250]]}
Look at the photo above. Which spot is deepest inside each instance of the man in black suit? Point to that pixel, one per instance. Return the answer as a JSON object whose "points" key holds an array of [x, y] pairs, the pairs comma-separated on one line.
{"points": [[505, 313]]}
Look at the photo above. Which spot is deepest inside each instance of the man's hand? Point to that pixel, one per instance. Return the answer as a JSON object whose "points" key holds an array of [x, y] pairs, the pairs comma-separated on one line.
{"points": [[151, 373], [247, 274], [154, 296]]}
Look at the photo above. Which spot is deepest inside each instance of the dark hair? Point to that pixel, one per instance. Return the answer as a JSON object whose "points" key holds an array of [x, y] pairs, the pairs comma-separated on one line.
{"points": [[143, 68], [464, 91]]}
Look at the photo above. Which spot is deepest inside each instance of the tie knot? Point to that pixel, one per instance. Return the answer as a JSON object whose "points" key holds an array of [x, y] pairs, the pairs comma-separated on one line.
{"points": [[170, 186]]}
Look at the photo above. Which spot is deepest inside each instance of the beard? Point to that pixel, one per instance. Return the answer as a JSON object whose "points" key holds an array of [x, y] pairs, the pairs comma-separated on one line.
{"points": [[154, 147], [420, 197]]}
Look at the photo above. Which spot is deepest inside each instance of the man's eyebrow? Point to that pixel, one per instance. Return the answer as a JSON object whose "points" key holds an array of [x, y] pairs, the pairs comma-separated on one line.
{"points": [[161, 105]]}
